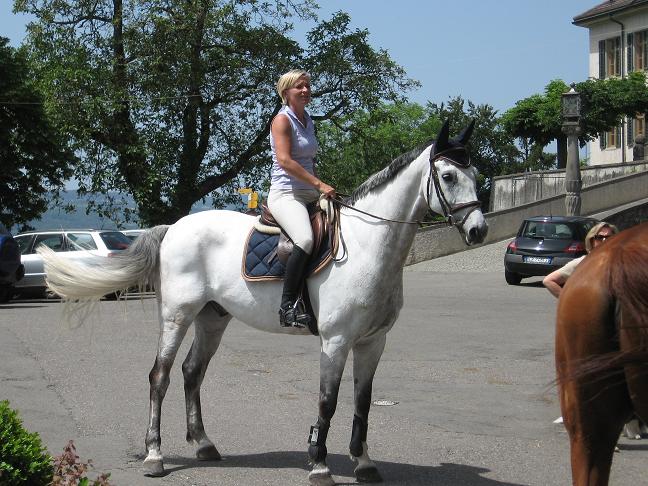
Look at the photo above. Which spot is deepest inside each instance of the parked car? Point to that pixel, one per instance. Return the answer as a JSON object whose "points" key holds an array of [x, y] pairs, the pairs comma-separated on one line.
{"points": [[11, 270], [72, 243], [544, 244]]}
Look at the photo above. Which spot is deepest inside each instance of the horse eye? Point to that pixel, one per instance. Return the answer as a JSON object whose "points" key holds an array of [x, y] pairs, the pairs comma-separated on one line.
{"points": [[447, 177]]}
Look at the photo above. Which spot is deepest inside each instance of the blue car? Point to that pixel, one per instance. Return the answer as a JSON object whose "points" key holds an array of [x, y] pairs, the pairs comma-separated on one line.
{"points": [[11, 270]]}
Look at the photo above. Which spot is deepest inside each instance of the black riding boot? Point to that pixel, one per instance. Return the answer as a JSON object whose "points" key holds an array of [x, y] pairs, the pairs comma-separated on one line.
{"points": [[292, 312]]}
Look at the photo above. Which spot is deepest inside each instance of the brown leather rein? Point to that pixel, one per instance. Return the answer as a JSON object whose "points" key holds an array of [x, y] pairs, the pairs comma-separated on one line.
{"points": [[448, 209]]}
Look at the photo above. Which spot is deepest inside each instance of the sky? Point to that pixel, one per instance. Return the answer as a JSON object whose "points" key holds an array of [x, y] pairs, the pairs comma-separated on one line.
{"points": [[494, 52]]}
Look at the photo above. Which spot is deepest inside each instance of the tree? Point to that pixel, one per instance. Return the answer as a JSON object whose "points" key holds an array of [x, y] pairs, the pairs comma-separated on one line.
{"points": [[171, 101], [605, 102], [34, 159], [492, 149], [537, 120], [354, 147]]}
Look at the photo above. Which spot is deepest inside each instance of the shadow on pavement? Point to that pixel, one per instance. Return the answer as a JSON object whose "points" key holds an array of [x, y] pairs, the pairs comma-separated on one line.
{"points": [[342, 467]]}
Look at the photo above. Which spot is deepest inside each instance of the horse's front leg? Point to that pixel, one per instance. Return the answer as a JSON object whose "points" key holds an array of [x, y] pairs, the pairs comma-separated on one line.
{"points": [[366, 355], [171, 336], [332, 361]]}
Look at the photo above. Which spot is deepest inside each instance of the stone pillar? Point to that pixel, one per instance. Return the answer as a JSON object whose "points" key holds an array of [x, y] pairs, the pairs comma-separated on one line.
{"points": [[573, 182], [638, 151]]}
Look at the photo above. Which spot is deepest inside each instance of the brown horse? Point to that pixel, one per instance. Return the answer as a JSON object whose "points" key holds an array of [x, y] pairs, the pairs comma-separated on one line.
{"points": [[602, 351]]}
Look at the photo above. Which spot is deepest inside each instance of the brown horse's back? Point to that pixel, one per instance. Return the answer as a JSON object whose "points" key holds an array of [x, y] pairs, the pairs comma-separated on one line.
{"points": [[629, 285], [602, 351]]}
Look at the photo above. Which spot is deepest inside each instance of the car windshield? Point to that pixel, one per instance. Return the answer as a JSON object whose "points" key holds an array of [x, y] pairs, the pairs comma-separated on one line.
{"points": [[546, 229], [115, 240]]}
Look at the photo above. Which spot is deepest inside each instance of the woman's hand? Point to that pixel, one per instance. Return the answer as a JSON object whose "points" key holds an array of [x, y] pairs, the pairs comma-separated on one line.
{"points": [[325, 189]]}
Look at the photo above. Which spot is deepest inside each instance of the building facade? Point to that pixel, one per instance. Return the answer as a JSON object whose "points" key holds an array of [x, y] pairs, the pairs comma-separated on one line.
{"points": [[618, 45]]}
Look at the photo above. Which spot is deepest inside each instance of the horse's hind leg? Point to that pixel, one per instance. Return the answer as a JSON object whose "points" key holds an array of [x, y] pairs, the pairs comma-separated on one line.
{"points": [[173, 329], [366, 355], [210, 324]]}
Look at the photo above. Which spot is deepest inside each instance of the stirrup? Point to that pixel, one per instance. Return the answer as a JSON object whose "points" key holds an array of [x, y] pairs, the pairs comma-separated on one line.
{"points": [[294, 315]]}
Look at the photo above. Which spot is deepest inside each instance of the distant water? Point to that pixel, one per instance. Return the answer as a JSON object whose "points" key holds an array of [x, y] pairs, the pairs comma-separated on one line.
{"points": [[57, 218]]}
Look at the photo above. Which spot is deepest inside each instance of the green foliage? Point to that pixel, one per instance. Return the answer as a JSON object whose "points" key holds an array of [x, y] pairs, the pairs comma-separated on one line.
{"points": [[23, 459], [537, 120], [171, 101], [34, 159], [354, 147]]}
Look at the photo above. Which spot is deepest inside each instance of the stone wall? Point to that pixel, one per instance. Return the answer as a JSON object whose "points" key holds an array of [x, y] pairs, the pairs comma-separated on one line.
{"points": [[602, 197], [518, 189]]}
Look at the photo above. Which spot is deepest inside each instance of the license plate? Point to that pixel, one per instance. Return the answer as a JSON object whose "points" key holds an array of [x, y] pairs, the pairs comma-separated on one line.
{"points": [[538, 260]]}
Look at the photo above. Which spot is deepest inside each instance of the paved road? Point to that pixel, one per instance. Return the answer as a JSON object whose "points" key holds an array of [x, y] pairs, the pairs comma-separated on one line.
{"points": [[469, 364]]}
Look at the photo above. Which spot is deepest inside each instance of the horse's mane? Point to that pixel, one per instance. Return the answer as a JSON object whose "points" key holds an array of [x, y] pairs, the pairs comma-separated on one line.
{"points": [[386, 174]]}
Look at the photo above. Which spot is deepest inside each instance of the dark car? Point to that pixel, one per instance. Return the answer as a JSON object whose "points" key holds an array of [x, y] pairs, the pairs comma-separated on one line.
{"points": [[544, 244], [11, 270]]}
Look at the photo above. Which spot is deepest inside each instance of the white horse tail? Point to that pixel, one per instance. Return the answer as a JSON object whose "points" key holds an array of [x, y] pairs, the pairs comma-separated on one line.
{"points": [[90, 278]]}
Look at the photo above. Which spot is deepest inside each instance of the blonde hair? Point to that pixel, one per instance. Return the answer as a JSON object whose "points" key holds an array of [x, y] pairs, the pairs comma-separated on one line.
{"points": [[589, 243], [288, 80]]}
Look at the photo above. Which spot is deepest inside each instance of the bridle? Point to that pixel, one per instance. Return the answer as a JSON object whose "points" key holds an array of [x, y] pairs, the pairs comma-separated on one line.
{"points": [[433, 177], [449, 210]]}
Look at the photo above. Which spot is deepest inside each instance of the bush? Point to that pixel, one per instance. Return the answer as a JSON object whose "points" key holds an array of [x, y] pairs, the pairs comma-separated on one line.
{"points": [[23, 459], [70, 471]]}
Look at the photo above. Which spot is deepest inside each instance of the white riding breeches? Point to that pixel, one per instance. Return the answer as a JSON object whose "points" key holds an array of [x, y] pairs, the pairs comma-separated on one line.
{"points": [[288, 206]]}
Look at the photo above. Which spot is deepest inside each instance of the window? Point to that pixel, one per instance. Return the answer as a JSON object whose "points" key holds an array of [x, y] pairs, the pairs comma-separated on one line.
{"points": [[24, 243], [636, 128], [610, 57], [611, 139], [638, 51], [81, 241], [53, 241]]}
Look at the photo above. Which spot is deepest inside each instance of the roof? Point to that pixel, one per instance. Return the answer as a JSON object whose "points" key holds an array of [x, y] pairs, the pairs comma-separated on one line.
{"points": [[560, 219], [607, 8]]}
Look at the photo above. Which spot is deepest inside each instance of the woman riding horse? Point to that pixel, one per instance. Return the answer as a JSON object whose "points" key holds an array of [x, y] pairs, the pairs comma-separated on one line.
{"points": [[294, 185]]}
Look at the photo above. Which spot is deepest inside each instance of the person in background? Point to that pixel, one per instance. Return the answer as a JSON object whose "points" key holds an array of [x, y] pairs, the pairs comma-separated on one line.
{"points": [[596, 236], [294, 184]]}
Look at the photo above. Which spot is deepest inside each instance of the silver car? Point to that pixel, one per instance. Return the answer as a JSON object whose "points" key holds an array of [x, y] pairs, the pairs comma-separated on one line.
{"points": [[71, 243]]}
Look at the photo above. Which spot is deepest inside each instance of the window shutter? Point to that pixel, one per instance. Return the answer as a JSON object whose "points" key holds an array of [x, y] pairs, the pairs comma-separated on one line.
{"points": [[644, 48], [630, 52], [601, 59], [602, 140], [630, 131], [617, 56]]}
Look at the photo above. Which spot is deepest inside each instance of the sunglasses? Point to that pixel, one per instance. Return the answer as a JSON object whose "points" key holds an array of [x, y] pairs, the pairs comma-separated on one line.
{"points": [[601, 237]]}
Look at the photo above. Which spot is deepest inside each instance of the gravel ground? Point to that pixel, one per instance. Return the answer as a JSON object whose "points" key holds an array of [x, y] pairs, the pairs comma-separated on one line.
{"points": [[486, 258]]}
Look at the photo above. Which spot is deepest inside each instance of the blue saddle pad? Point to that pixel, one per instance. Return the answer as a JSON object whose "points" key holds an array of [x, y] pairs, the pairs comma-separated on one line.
{"points": [[261, 261]]}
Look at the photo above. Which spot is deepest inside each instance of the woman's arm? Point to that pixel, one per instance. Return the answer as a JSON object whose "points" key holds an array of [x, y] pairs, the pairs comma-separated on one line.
{"points": [[554, 282], [281, 133]]}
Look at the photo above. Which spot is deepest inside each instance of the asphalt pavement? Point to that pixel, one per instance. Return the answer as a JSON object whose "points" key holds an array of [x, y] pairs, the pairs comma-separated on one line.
{"points": [[463, 392]]}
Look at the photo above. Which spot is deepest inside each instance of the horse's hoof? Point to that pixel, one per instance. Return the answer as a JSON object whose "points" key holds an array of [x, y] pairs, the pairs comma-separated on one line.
{"points": [[321, 480], [368, 475], [208, 453], [153, 467], [321, 476]]}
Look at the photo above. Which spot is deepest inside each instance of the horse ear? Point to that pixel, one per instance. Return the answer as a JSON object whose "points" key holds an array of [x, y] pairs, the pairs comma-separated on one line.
{"points": [[464, 136], [441, 142]]}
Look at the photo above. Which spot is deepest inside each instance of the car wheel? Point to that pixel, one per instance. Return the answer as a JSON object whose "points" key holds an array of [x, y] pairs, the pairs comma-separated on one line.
{"points": [[6, 293], [512, 278]]}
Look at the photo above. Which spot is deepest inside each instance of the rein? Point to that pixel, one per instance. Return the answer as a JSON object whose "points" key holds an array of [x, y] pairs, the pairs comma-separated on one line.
{"points": [[447, 208]]}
